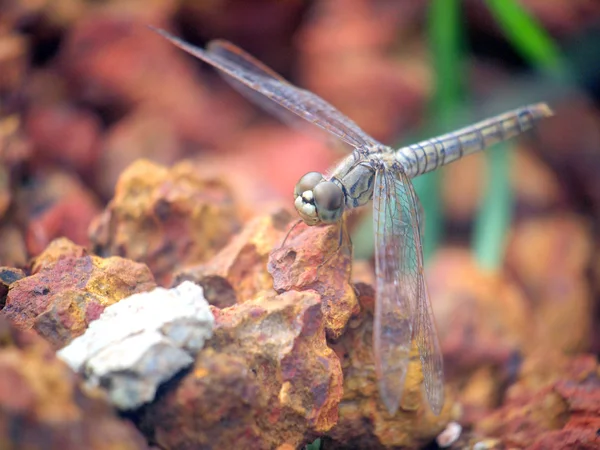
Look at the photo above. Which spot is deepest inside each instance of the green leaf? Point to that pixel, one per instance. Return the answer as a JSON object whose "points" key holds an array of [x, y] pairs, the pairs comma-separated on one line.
{"points": [[316, 445], [527, 36]]}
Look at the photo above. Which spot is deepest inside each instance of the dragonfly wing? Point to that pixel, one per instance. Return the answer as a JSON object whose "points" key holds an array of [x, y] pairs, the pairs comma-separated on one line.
{"points": [[402, 308], [393, 322], [239, 65], [228, 51], [243, 60], [425, 331]]}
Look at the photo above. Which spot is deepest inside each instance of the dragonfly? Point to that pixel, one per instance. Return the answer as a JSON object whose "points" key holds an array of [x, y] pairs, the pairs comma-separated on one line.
{"points": [[378, 173]]}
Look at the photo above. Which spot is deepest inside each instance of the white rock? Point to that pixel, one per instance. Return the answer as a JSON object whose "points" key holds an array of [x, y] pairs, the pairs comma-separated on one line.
{"points": [[142, 341], [450, 435]]}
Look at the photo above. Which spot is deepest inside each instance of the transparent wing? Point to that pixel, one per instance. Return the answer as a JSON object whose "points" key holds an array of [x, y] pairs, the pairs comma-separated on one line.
{"points": [[237, 56], [402, 308], [425, 331], [254, 75], [393, 322]]}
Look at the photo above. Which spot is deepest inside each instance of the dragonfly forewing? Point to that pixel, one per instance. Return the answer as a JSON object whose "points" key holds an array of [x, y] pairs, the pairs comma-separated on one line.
{"points": [[236, 63], [226, 50]]}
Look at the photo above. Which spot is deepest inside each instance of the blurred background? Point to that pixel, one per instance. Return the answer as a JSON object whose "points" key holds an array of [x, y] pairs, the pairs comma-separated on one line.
{"points": [[512, 234]]}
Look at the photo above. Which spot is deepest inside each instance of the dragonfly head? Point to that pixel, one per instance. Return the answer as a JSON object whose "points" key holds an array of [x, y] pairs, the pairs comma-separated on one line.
{"points": [[318, 200]]}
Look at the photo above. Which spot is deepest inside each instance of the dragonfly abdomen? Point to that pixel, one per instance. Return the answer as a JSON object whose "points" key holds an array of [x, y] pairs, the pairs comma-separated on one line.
{"points": [[428, 155]]}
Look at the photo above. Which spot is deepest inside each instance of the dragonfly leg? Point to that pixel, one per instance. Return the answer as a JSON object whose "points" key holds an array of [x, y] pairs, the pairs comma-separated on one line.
{"points": [[287, 235]]}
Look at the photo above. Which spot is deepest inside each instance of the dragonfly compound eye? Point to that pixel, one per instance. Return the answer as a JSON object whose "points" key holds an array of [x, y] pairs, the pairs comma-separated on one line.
{"points": [[304, 198], [307, 183], [329, 200]]}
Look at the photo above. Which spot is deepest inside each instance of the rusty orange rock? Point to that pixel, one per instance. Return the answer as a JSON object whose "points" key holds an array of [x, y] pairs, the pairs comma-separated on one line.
{"points": [[561, 414], [65, 294], [57, 205], [141, 134], [65, 135], [166, 218], [311, 258], [494, 323], [267, 374], [551, 258], [14, 60], [237, 273], [111, 58], [35, 385], [483, 321]]}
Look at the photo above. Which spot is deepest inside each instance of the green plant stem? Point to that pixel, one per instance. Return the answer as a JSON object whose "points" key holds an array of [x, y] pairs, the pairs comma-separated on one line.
{"points": [[494, 217], [495, 214], [445, 44]]}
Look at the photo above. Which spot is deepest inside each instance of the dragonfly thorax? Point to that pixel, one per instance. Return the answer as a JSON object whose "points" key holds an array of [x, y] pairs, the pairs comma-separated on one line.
{"points": [[318, 200]]}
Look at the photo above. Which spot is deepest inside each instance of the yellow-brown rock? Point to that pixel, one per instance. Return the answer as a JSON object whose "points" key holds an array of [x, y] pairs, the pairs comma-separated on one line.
{"points": [[43, 406], [237, 273], [66, 293], [267, 377], [364, 421], [166, 218], [58, 249], [551, 258]]}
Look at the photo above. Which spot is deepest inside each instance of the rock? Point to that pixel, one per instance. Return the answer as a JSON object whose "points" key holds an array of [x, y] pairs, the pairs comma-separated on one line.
{"points": [[5, 194], [449, 436], [140, 134], [64, 135], [354, 38], [15, 149], [266, 377], [260, 147], [551, 257], [12, 251], [237, 273], [364, 421], [142, 341], [483, 320], [8, 275], [489, 322], [309, 259], [167, 218], [536, 186], [43, 406], [64, 296], [564, 413], [112, 59], [14, 61], [58, 249], [56, 204]]}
